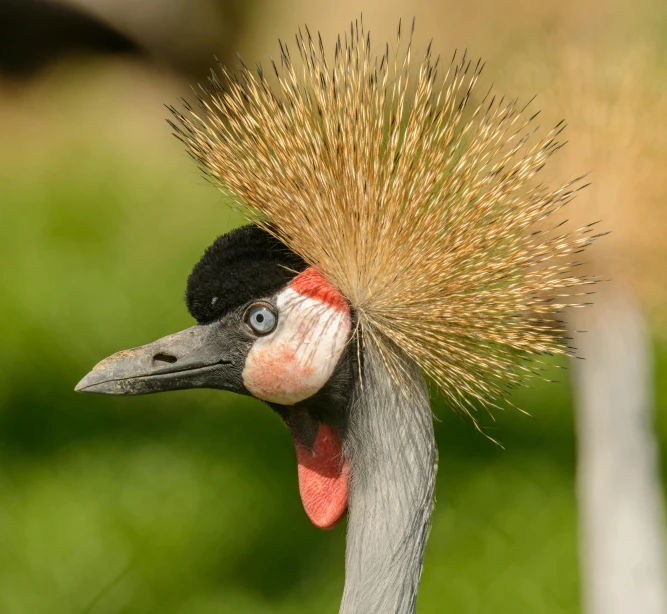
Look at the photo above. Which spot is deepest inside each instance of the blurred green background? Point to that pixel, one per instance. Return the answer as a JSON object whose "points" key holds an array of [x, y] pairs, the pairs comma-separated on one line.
{"points": [[188, 502]]}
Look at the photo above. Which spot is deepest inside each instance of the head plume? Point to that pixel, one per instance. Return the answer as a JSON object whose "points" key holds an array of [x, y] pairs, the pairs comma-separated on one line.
{"points": [[421, 206]]}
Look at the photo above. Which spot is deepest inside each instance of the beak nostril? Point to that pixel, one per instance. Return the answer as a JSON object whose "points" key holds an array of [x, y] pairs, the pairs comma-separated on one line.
{"points": [[163, 357]]}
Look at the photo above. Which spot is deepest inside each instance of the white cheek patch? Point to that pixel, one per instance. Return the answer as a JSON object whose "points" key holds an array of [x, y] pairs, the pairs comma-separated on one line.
{"points": [[298, 358]]}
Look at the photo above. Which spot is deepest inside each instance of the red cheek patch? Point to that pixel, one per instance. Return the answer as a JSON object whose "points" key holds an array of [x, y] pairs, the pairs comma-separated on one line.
{"points": [[313, 284], [323, 478], [280, 372]]}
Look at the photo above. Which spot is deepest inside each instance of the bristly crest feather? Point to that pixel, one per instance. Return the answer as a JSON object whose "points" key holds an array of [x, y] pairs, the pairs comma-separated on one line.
{"points": [[419, 205]]}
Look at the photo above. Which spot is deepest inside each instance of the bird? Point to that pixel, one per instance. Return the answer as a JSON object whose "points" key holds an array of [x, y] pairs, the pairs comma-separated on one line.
{"points": [[398, 244]]}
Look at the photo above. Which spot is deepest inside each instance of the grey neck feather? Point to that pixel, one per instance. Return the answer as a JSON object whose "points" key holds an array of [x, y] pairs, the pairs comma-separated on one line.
{"points": [[393, 460]]}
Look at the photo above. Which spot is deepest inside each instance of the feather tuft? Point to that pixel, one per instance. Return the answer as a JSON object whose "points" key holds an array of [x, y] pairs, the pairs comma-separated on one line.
{"points": [[416, 197]]}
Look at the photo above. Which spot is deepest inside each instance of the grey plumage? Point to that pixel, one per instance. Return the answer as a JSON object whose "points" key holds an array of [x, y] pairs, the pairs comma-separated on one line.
{"points": [[394, 464]]}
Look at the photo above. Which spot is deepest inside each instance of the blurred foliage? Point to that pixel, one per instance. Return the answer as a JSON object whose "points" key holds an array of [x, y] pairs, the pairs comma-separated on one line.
{"points": [[188, 502]]}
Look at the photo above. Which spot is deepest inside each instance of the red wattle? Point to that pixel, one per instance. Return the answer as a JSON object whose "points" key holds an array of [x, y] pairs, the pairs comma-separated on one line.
{"points": [[323, 479]]}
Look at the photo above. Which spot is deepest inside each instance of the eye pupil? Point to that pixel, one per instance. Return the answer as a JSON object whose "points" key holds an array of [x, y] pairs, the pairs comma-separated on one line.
{"points": [[262, 319]]}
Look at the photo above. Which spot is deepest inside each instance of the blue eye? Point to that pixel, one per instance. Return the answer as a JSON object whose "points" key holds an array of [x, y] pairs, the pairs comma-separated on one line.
{"points": [[261, 319]]}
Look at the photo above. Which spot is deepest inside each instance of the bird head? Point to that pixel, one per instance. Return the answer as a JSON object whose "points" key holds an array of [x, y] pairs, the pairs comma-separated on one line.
{"points": [[267, 326]]}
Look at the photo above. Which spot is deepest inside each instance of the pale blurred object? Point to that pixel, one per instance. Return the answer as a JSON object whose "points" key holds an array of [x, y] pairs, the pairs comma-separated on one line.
{"points": [[620, 500], [615, 103]]}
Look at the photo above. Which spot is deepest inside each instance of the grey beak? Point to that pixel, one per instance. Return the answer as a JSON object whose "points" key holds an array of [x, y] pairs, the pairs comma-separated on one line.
{"points": [[188, 359]]}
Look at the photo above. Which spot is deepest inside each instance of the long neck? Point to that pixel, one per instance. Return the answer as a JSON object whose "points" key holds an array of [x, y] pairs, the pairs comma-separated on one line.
{"points": [[393, 460]]}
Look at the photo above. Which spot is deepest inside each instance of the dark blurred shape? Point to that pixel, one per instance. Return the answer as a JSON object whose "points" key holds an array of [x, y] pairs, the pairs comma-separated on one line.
{"points": [[35, 33], [181, 35]]}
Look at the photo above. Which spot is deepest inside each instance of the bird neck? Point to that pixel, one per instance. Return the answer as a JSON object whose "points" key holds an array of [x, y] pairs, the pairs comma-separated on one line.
{"points": [[393, 458]]}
